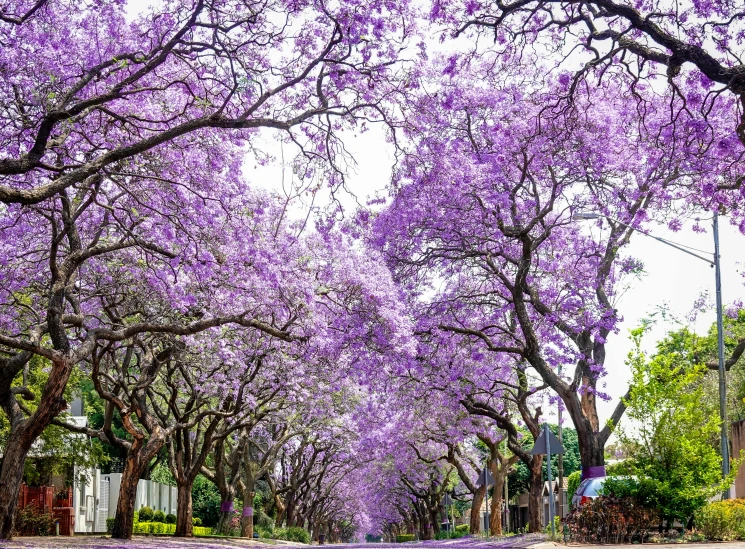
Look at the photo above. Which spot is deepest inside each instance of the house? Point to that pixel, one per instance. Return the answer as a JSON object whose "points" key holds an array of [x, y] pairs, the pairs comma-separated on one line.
{"points": [[518, 508], [94, 495]]}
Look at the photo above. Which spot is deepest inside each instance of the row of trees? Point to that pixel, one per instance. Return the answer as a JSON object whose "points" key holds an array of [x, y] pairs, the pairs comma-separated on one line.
{"points": [[212, 322]]}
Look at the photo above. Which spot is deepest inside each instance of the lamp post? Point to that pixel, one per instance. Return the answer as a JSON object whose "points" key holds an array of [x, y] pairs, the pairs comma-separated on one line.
{"points": [[716, 263]]}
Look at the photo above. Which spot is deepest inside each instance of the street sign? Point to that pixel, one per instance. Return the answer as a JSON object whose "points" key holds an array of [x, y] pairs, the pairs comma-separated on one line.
{"points": [[485, 478], [540, 445], [548, 444]]}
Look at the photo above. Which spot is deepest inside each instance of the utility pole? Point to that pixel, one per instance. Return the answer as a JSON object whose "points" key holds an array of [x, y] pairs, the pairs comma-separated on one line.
{"points": [[561, 463], [720, 351], [724, 442]]}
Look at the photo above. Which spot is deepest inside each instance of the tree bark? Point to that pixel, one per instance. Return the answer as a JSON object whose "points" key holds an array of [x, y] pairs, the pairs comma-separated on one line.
{"points": [[138, 458], [535, 494], [11, 476], [478, 500], [247, 522], [184, 526], [223, 524], [125, 505], [495, 518], [23, 432]]}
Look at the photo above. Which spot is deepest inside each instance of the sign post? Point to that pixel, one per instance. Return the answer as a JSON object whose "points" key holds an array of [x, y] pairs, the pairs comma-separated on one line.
{"points": [[486, 479], [447, 501], [547, 442]]}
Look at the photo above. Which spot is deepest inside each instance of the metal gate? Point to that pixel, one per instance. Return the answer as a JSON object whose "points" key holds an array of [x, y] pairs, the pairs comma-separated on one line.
{"points": [[103, 504]]}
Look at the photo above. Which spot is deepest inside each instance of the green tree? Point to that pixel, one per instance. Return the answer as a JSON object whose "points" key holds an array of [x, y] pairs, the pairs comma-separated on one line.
{"points": [[205, 501], [694, 349], [674, 432], [59, 449]]}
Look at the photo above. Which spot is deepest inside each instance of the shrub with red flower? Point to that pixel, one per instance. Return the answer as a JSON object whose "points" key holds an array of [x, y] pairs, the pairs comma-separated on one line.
{"points": [[611, 519]]}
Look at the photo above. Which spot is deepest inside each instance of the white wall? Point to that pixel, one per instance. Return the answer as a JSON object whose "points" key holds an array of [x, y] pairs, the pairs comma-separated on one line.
{"points": [[149, 494]]}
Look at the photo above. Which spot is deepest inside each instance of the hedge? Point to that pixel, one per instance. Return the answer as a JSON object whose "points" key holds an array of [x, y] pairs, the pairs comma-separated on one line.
{"points": [[293, 533], [403, 538], [163, 528]]}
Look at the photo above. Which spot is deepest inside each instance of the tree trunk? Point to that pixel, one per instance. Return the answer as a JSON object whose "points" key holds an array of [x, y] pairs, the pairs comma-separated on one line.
{"points": [[138, 457], [223, 523], [495, 518], [592, 453], [535, 494], [184, 527], [125, 505], [478, 500], [247, 520], [11, 476], [23, 433]]}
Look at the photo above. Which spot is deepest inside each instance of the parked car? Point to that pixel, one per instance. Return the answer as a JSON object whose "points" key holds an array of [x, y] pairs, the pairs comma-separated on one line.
{"points": [[590, 488]]}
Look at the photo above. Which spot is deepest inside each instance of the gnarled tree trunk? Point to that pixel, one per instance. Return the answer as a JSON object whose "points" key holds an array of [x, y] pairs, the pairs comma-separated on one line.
{"points": [[474, 526], [184, 526]]}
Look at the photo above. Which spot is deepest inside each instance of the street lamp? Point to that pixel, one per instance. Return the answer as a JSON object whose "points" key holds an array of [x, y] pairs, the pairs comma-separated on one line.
{"points": [[584, 216]]}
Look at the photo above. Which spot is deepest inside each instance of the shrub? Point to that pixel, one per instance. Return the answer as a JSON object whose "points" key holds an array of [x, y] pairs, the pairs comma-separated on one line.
{"points": [[205, 501], [202, 531], [110, 524], [146, 514], [442, 534], [32, 522], [611, 519], [171, 518], [722, 520], [298, 534], [462, 528], [279, 533], [573, 482], [159, 516], [403, 538], [136, 517], [196, 521], [265, 533]]}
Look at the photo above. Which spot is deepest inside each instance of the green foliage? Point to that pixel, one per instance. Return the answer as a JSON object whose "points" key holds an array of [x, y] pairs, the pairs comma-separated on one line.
{"points": [[196, 521], [455, 534], [30, 521], [205, 501], [674, 444], [573, 482], [722, 520], [171, 519], [265, 533], [557, 526], [146, 514], [462, 528], [110, 524], [369, 538], [293, 533], [621, 468], [610, 519], [62, 448], [159, 516], [164, 528], [403, 538], [161, 473]]}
